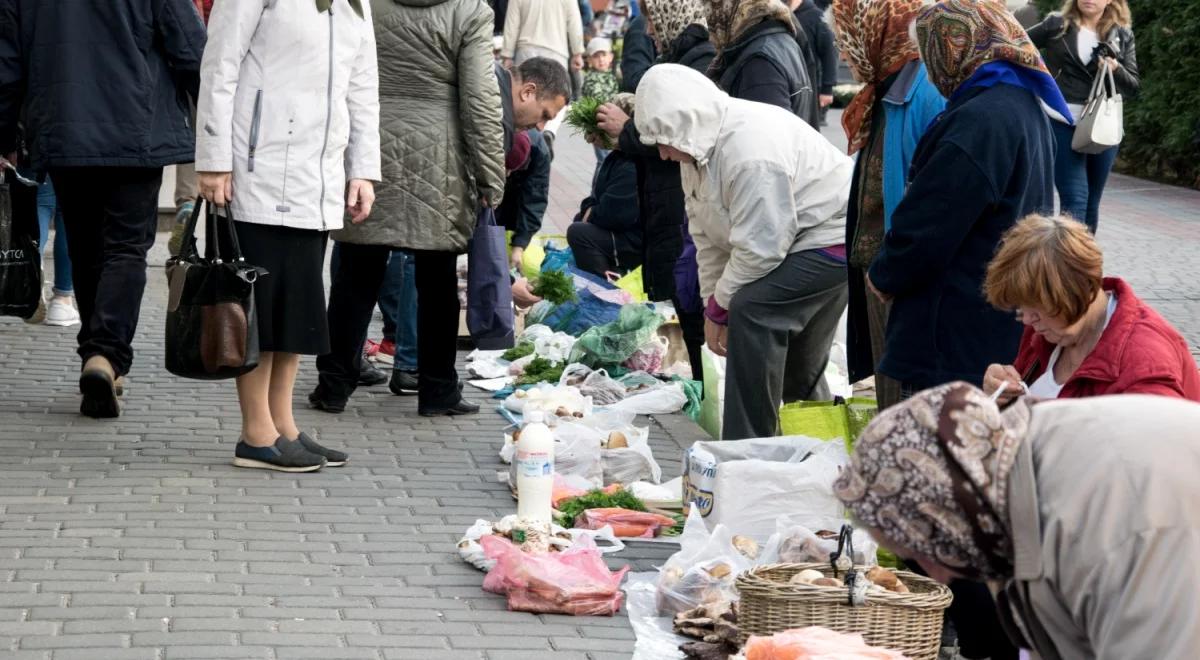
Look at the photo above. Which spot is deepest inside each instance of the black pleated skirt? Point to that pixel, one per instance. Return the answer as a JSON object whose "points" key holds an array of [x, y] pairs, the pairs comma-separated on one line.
{"points": [[290, 298]]}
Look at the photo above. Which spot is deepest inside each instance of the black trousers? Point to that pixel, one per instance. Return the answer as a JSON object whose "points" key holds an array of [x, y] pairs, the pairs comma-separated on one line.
{"points": [[437, 329], [357, 277], [692, 325], [111, 214], [598, 250]]}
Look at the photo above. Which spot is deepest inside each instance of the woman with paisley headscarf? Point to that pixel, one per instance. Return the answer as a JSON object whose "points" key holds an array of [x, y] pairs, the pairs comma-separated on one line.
{"points": [[984, 163], [883, 124], [680, 33], [1076, 513]]}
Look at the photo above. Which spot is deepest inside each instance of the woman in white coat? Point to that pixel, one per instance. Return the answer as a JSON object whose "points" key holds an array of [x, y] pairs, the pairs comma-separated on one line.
{"points": [[287, 123]]}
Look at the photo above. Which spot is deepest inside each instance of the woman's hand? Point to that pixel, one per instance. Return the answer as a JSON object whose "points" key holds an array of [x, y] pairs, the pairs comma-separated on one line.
{"points": [[216, 187], [1111, 63], [576, 62], [883, 297], [998, 375], [523, 295], [360, 197], [515, 257], [611, 119], [715, 336]]}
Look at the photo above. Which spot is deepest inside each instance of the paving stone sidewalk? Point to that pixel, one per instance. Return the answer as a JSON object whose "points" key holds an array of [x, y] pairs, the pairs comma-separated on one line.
{"points": [[135, 538]]}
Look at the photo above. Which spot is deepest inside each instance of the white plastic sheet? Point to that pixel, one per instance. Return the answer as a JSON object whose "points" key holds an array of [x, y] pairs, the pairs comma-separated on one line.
{"points": [[656, 638]]}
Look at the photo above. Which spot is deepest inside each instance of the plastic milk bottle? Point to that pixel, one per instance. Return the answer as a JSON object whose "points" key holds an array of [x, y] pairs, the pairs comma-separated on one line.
{"points": [[535, 469]]}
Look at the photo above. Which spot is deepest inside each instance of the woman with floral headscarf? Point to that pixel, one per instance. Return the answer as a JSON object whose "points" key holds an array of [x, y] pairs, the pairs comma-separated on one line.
{"points": [[984, 163], [1074, 511], [883, 124]]}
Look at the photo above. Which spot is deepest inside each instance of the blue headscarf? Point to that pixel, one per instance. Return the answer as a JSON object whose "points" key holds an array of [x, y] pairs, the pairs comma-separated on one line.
{"points": [[1039, 84]]}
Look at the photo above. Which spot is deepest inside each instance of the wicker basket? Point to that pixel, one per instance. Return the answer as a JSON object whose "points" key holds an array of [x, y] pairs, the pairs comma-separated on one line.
{"points": [[909, 623]]}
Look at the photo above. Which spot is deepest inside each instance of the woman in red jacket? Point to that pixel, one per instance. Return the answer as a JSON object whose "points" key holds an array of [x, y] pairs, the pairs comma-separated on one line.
{"points": [[1085, 334]]}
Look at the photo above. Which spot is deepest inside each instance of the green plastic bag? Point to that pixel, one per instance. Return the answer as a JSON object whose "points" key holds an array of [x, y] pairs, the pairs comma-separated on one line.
{"points": [[612, 343], [631, 283], [828, 420], [712, 407]]}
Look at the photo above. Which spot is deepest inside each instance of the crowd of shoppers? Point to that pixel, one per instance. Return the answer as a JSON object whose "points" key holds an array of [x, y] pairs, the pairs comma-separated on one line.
{"points": [[389, 126]]}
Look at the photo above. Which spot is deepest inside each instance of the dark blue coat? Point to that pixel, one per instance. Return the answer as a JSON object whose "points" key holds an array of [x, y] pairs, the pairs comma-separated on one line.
{"points": [[614, 198], [100, 83], [984, 163], [526, 193]]}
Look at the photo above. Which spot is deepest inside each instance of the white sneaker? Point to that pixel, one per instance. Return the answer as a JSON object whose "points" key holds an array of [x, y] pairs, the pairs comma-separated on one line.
{"points": [[61, 312]]}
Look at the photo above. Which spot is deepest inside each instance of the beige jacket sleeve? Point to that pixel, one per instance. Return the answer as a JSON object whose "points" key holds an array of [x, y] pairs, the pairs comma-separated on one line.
{"points": [[512, 27], [231, 26], [762, 218], [574, 28], [1145, 596], [362, 102], [480, 110]]}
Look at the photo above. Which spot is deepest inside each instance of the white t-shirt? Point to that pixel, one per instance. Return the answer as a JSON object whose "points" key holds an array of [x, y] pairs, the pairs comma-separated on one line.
{"points": [[1088, 40], [1045, 387], [1086, 44]]}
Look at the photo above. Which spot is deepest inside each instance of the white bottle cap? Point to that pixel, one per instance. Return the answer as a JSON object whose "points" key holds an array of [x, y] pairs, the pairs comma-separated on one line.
{"points": [[535, 417]]}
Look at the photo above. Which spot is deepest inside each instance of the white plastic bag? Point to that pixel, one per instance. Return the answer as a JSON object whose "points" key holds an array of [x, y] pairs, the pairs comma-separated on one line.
{"points": [[533, 333], [555, 347], [712, 408], [704, 569], [670, 398], [656, 637], [796, 541], [619, 465], [748, 484], [550, 399]]}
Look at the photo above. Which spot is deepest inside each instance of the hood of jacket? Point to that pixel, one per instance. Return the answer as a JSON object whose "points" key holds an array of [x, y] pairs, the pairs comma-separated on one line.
{"points": [[681, 108], [728, 20]]}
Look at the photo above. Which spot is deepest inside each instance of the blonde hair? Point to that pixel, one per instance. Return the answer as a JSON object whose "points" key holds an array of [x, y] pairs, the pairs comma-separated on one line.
{"points": [[1050, 263], [1116, 13]]}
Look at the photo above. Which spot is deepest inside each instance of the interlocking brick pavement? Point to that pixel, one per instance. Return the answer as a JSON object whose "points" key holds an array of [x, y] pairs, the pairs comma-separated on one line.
{"points": [[136, 539]]}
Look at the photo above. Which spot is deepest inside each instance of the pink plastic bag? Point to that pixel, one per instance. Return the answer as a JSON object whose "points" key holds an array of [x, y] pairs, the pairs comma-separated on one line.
{"points": [[815, 643], [625, 523], [575, 581]]}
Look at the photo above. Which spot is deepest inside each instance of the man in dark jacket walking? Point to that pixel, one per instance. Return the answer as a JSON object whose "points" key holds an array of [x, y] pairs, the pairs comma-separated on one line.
{"points": [[103, 127], [820, 38]]}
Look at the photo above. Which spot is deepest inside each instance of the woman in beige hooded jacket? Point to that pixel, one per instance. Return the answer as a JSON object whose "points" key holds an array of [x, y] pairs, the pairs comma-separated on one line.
{"points": [[766, 201]]}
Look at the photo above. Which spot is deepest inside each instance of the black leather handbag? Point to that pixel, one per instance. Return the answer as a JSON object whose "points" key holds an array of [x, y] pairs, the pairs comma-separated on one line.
{"points": [[20, 258], [212, 327]]}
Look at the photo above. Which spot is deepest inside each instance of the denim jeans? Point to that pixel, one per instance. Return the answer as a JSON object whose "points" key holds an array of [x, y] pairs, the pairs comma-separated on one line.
{"points": [[49, 211], [398, 304], [1080, 178]]}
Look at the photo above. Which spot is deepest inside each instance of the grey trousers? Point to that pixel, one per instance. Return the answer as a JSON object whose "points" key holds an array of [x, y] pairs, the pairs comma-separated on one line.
{"points": [[780, 331]]}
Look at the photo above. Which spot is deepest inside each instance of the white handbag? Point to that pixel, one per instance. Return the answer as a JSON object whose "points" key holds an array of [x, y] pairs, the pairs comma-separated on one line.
{"points": [[1102, 123]]}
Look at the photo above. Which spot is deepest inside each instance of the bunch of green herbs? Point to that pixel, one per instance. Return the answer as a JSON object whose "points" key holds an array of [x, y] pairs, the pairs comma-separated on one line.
{"points": [[555, 286], [569, 509], [517, 352], [540, 370], [582, 117]]}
